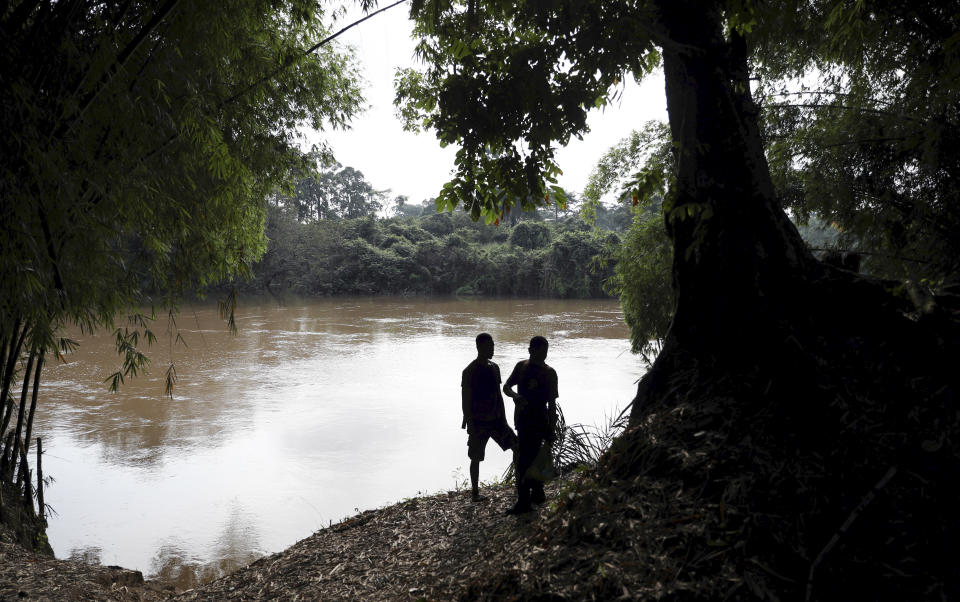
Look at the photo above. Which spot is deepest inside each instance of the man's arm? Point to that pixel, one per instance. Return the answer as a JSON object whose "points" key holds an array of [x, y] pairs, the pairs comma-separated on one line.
{"points": [[465, 398], [552, 407], [499, 388], [511, 382]]}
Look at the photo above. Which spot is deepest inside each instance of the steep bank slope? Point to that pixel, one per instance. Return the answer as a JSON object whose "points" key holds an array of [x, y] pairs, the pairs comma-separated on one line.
{"points": [[27, 575], [624, 540], [585, 543]]}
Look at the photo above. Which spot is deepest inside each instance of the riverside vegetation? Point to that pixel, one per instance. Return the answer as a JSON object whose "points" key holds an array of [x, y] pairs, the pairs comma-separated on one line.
{"points": [[435, 254]]}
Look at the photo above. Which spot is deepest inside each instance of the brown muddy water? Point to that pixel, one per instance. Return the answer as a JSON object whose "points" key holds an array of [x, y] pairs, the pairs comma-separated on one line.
{"points": [[313, 411]]}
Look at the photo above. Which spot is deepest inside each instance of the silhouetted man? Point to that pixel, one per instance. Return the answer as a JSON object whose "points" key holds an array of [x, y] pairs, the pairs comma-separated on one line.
{"points": [[535, 418], [483, 413]]}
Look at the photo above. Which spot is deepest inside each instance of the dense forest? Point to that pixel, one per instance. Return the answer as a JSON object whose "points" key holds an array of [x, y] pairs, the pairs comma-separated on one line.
{"points": [[334, 234], [331, 237]]}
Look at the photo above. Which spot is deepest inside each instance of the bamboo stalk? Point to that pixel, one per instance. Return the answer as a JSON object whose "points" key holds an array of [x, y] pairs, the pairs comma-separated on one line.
{"points": [[27, 485], [33, 401], [7, 410], [21, 413], [40, 504], [15, 344], [846, 525], [4, 460], [3, 350], [28, 494], [6, 401]]}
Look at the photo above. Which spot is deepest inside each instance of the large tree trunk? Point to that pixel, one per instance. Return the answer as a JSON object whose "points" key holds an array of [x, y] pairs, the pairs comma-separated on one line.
{"points": [[736, 255], [787, 391]]}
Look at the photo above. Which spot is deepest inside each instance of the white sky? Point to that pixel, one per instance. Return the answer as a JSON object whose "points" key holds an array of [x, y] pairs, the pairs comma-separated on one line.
{"points": [[414, 164]]}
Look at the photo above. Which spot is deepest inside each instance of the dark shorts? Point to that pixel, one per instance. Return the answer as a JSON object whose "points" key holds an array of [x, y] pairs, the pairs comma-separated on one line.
{"points": [[499, 431]]}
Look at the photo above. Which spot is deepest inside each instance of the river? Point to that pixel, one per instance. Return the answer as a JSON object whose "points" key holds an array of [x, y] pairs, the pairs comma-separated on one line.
{"points": [[313, 411]]}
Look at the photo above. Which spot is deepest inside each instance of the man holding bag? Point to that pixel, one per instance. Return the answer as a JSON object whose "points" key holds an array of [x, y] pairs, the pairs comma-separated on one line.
{"points": [[535, 418]]}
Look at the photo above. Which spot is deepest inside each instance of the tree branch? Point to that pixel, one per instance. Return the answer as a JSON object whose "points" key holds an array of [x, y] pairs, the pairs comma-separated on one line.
{"points": [[287, 64], [874, 254], [293, 60], [816, 105], [823, 93]]}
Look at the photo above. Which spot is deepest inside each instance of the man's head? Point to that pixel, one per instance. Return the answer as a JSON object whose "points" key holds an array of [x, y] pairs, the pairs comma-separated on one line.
{"points": [[538, 348], [484, 345]]}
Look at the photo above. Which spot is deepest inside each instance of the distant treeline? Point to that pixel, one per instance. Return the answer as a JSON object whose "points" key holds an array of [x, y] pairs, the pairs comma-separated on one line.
{"points": [[435, 254]]}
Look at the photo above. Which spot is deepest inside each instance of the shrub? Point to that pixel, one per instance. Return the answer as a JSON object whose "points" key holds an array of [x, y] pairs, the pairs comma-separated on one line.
{"points": [[439, 224], [530, 235]]}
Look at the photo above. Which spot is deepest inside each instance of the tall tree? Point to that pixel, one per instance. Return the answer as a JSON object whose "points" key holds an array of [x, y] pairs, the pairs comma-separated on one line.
{"points": [[336, 192], [767, 344]]}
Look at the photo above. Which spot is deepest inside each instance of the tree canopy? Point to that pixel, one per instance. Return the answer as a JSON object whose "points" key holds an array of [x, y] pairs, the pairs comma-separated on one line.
{"points": [[141, 140], [335, 192], [424, 254], [859, 143], [862, 130], [494, 85], [858, 110]]}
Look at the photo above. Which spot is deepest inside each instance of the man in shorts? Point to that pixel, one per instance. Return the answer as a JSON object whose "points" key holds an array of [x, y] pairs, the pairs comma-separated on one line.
{"points": [[535, 417], [483, 414]]}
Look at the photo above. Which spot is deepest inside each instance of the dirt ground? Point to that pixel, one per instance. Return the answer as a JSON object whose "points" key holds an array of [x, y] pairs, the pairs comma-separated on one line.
{"points": [[25, 575]]}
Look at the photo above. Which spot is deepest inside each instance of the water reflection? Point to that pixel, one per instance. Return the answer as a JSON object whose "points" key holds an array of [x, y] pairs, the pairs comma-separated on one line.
{"points": [[237, 545], [312, 410], [87, 555]]}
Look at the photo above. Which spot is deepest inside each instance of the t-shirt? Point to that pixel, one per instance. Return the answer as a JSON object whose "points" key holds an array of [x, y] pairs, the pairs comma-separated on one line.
{"points": [[537, 383], [486, 400]]}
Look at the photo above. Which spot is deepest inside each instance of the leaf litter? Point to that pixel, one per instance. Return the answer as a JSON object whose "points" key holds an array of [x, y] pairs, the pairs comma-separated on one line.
{"points": [[618, 540]]}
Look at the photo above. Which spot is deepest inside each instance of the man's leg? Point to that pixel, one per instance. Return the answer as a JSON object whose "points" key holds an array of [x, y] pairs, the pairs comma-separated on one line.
{"points": [[476, 444], [537, 495], [475, 477], [526, 452], [534, 487]]}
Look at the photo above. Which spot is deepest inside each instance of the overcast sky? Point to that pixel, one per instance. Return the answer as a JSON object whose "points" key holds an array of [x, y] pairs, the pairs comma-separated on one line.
{"points": [[414, 164]]}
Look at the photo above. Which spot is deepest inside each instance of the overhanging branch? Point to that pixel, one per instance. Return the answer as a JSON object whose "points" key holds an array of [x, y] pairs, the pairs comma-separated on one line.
{"points": [[293, 60]]}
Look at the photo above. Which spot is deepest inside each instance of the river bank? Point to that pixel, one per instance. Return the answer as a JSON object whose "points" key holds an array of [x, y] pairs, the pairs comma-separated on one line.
{"points": [[587, 542], [28, 575]]}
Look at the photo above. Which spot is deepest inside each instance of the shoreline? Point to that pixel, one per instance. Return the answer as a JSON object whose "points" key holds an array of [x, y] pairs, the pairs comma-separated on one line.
{"points": [[28, 574], [592, 539]]}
